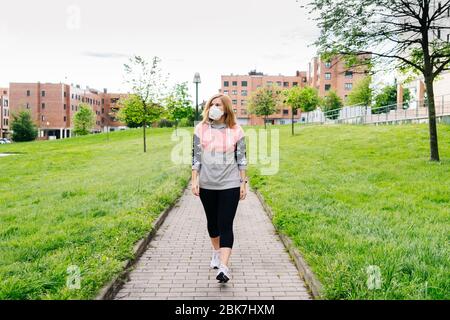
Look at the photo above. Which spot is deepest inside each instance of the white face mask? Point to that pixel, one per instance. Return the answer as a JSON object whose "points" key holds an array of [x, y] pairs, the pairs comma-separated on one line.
{"points": [[215, 113]]}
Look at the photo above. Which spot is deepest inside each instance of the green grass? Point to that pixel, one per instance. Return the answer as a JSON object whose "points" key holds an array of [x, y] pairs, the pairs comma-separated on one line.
{"points": [[83, 201], [355, 196]]}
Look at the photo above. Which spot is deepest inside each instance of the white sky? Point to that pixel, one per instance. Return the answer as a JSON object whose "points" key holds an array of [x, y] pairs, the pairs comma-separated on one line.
{"points": [[47, 41]]}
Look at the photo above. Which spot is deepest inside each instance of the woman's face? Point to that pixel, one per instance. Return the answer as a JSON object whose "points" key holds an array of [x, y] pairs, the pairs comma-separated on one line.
{"points": [[218, 103]]}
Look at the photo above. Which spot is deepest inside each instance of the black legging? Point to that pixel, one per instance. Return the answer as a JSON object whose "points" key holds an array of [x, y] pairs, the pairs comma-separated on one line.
{"points": [[220, 208]]}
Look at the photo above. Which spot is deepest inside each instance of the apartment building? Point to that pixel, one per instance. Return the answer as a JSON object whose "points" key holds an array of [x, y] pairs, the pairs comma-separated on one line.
{"points": [[442, 84], [53, 106], [4, 113], [239, 88], [334, 75]]}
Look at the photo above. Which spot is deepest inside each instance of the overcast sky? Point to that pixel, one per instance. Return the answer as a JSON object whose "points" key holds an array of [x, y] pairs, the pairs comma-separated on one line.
{"points": [[87, 42]]}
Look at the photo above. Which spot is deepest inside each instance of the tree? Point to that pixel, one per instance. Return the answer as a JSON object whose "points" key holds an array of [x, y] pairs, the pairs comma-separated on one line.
{"points": [[387, 98], [23, 127], [178, 105], [83, 120], [264, 101], [148, 84], [331, 105], [361, 93], [403, 32], [304, 99], [131, 111]]}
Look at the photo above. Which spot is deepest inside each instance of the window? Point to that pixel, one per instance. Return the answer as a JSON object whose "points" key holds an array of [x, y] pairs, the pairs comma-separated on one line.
{"points": [[285, 111], [304, 79], [65, 107], [72, 107], [42, 118], [327, 76], [244, 83], [28, 105], [65, 94], [65, 118], [226, 83], [225, 91], [234, 83], [348, 86], [349, 74], [28, 93], [243, 111], [72, 95], [278, 110], [234, 92], [243, 102], [285, 84], [244, 92], [43, 93], [328, 65], [296, 112], [279, 83], [294, 84], [327, 87], [234, 101], [269, 82], [235, 110], [43, 106]]}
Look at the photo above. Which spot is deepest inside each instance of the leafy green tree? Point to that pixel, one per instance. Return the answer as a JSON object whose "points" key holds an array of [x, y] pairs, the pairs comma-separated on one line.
{"points": [[331, 105], [132, 113], [403, 32], [148, 84], [304, 99], [178, 104], [264, 101], [83, 120], [23, 127], [361, 93], [386, 100]]}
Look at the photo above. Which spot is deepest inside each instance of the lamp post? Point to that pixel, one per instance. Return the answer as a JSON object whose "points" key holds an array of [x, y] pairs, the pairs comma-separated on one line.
{"points": [[196, 81]]}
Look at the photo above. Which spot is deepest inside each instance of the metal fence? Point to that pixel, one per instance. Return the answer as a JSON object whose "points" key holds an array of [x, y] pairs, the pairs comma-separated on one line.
{"points": [[411, 111]]}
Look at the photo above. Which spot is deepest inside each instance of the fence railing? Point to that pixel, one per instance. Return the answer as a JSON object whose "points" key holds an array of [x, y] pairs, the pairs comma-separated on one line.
{"points": [[358, 114]]}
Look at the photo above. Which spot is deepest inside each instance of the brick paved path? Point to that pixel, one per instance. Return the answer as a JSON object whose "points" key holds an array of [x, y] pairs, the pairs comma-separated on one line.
{"points": [[261, 268]]}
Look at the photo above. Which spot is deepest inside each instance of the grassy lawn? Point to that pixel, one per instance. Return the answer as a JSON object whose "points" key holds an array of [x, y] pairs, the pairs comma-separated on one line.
{"points": [[83, 201], [351, 197]]}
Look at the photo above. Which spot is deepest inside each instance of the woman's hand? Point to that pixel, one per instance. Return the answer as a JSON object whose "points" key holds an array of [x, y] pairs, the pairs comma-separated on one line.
{"points": [[195, 187], [243, 190]]}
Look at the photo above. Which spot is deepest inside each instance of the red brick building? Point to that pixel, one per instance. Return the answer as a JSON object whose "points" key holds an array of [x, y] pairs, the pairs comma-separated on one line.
{"points": [[334, 75], [4, 113], [239, 87], [53, 106]]}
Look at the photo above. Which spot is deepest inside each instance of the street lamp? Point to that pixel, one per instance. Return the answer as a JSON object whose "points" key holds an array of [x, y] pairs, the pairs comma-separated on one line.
{"points": [[196, 81]]}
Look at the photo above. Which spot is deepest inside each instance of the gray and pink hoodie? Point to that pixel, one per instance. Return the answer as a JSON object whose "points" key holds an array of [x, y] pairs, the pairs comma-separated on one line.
{"points": [[218, 153]]}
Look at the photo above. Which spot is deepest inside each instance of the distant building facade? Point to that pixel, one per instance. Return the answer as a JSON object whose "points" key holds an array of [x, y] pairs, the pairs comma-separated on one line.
{"points": [[334, 75], [53, 106], [239, 88], [4, 113]]}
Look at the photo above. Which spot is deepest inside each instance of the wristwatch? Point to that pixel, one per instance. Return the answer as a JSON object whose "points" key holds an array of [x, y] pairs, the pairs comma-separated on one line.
{"points": [[243, 180]]}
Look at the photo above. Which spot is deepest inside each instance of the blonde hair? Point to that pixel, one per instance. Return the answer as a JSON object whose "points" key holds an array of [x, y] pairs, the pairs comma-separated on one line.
{"points": [[230, 117]]}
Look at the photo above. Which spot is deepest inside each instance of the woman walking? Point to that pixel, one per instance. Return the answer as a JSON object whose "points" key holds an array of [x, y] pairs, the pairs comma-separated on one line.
{"points": [[219, 166]]}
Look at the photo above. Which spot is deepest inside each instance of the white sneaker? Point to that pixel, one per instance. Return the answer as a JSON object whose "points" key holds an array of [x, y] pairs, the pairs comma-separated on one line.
{"points": [[224, 274], [215, 260]]}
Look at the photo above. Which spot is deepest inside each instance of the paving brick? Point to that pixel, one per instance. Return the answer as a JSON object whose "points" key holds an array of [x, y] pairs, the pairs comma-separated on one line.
{"points": [[175, 264]]}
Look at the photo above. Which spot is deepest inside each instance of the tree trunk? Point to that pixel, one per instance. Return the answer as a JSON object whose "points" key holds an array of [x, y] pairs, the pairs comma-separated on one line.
{"points": [[144, 125], [265, 121], [292, 121], [434, 149]]}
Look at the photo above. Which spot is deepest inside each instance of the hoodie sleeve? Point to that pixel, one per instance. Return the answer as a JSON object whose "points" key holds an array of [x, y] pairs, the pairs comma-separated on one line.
{"points": [[241, 150], [196, 150]]}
